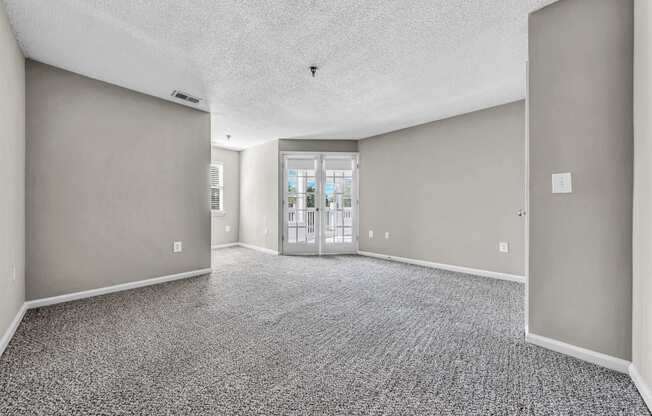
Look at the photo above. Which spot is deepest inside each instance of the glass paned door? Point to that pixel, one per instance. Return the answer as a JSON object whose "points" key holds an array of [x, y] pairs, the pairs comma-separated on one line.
{"points": [[319, 204], [301, 213], [339, 200]]}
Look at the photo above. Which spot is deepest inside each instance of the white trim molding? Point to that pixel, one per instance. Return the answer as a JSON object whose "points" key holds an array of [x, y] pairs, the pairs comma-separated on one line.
{"points": [[261, 249], [249, 246], [604, 360], [9, 333], [460, 269], [219, 246], [641, 385], [37, 303]]}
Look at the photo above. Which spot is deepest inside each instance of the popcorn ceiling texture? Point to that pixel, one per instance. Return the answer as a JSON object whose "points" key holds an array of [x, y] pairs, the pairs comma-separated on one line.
{"points": [[277, 335], [384, 65]]}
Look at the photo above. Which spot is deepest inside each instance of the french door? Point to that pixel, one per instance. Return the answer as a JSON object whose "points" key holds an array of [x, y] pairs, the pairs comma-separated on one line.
{"points": [[320, 203]]}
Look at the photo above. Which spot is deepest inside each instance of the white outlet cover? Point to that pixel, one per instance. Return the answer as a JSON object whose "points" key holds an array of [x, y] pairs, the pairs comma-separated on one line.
{"points": [[503, 247], [177, 246], [13, 272], [371, 234], [386, 235], [227, 228], [562, 183]]}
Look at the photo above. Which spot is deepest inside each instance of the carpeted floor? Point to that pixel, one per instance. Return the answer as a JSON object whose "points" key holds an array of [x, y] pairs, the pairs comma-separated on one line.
{"points": [[269, 335]]}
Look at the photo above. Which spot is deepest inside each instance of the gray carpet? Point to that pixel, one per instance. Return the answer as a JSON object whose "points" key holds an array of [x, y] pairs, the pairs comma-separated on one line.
{"points": [[270, 335]]}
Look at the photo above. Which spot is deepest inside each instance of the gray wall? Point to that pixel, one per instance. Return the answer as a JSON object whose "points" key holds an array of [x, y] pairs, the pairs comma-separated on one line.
{"points": [[300, 145], [642, 307], [12, 175], [230, 159], [581, 122], [259, 195], [447, 191], [114, 177]]}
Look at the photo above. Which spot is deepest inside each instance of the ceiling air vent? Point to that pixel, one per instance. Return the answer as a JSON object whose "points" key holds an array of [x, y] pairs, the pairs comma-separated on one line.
{"points": [[185, 96]]}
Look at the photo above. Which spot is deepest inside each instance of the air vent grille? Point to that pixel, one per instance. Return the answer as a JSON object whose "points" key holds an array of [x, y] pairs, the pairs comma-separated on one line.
{"points": [[185, 97]]}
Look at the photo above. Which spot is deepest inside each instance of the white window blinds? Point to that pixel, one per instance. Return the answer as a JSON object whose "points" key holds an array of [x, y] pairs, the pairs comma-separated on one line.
{"points": [[217, 186]]}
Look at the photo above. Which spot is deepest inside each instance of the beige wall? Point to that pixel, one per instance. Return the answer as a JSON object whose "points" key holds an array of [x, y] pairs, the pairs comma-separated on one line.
{"points": [[300, 145], [581, 122], [448, 191], [12, 175], [642, 302], [114, 177], [259, 195], [230, 159]]}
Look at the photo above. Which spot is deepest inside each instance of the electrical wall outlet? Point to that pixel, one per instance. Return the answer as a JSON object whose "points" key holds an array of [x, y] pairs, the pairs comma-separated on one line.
{"points": [[386, 235], [371, 234], [227, 228], [13, 272], [503, 247], [177, 247], [266, 231]]}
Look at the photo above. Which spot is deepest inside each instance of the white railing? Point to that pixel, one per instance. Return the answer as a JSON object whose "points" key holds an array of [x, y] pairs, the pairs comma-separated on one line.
{"points": [[306, 218], [302, 218]]}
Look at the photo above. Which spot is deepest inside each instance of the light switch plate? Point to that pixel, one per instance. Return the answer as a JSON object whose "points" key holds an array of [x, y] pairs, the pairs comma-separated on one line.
{"points": [[386, 235], [227, 228], [371, 234], [177, 247], [562, 183]]}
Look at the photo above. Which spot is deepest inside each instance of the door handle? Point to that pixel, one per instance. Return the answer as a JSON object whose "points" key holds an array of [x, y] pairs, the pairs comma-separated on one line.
{"points": [[521, 213]]}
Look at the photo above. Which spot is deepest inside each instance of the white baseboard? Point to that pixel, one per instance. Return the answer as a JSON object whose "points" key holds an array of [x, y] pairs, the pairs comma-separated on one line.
{"points": [[604, 360], [641, 385], [467, 270], [116, 288], [261, 249], [9, 333], [219, 246]]}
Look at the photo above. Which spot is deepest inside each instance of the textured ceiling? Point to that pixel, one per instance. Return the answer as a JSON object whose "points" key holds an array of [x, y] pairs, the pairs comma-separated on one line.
{"points": [[384, 65]]}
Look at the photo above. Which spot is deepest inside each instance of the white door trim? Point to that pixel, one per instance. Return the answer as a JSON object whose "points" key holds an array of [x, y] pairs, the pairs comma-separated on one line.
{"points": [[526, 232]]}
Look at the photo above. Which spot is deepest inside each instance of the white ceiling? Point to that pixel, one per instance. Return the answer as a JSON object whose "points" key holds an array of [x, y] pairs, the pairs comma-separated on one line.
{"points": [[384, 65]]}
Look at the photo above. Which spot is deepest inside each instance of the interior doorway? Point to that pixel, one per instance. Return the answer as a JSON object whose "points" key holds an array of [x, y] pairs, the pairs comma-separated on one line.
{"points": [[320, 203]]}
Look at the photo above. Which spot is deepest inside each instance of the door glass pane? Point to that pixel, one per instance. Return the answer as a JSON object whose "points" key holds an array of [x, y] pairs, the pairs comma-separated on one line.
{"points": [[292, 235], [310, 200], [293, 185], [311, 184], [301, 234]]}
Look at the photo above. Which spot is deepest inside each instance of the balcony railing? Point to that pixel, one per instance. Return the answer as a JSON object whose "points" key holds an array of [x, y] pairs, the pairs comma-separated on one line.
{"points": [[304, 221]]}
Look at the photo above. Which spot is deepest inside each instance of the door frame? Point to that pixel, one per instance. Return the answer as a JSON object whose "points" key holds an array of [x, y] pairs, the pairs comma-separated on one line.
{"points": [[526, 225], [282, 199]]}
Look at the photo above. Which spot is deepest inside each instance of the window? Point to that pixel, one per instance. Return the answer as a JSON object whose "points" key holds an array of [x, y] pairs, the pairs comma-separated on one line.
{"points": [[217, 187]]}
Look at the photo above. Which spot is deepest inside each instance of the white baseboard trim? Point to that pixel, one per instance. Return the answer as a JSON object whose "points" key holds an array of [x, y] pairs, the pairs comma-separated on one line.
{"points": [[37, 303], [9, 333], [641, 385], [604, 360], [261, 249], [219, 246], [467, 270]]}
